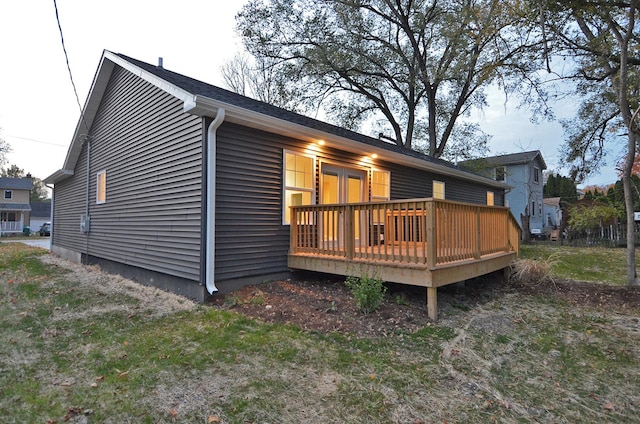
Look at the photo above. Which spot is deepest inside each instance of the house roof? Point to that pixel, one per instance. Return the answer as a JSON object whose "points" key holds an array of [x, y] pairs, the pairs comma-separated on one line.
{"points": [[510, 159], [41, 209], [7, 183], [203, 99], [15, 207], [552, 201]]}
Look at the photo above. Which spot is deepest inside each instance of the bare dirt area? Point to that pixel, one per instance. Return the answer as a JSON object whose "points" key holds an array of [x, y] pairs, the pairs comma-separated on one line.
{"points": [[323, 303]]}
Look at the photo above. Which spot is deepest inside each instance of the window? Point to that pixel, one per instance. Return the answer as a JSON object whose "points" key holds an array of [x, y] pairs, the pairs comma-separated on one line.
{"points": [[490, 198], [533, 208], [299, 182], [101, 187], [380, 186], [536, 175], [500, 173], [438, 190], [8, 194]]}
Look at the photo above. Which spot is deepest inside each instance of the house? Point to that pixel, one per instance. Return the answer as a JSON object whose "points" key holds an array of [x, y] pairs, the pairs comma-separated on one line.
{"points": [[40, 213], [14, 204], [523, 172], [192, 188], [552, 212]]}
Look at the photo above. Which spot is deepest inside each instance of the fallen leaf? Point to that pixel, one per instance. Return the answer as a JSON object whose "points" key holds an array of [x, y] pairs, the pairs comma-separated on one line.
{"points": [[123, 374], [454, 352], [100, 378], [609, 406], [213, 419], [71, 412], [173, 412]]}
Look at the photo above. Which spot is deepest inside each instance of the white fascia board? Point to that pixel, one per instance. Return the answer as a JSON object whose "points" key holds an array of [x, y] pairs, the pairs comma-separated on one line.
{"points": [[58, 176], [204, 106], [162, 84], [98, 87]]}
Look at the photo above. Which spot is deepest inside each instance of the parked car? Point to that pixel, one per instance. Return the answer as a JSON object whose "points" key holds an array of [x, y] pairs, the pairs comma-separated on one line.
{"points": [[45, 229]]}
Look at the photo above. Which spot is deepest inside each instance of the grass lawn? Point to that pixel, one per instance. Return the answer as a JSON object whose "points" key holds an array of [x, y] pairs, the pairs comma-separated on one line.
{"points": [[79, 345], [597, 264]]}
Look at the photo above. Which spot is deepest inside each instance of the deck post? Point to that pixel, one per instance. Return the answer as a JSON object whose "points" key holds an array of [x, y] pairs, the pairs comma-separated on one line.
{"points": [[293, 231], [350, 236], [432, 248], [478, 233], [432, 302]]}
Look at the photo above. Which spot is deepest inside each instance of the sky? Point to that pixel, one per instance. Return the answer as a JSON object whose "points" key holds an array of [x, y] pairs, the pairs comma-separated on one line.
{"points": [[39, 110]]}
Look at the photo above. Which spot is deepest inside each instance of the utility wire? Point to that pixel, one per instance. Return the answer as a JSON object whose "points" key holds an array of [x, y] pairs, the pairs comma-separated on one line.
{"points": [[66, 56], [35, 141]]}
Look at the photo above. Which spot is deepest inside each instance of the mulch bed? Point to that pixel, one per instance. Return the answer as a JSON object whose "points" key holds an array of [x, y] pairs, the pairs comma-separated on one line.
{"points": [[322, 303]]}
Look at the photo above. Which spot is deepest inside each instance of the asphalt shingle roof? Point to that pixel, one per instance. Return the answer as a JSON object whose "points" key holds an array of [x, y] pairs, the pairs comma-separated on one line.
{"points": [[7, 183], [197, 87], [509, 159], [41, 209]]}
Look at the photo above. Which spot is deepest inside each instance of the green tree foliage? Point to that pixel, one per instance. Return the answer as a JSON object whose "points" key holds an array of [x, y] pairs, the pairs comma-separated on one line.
{"points": [[589, 218], [562, 187], [410, 69], [602, 39]]}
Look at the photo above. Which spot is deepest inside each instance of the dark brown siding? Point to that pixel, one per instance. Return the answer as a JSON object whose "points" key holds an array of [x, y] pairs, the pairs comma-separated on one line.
{"points": [[152, 154]]}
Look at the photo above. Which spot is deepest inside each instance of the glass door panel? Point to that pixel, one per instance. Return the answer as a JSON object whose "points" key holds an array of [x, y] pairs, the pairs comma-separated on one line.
{"points": [[330, 196], [340, 185]]}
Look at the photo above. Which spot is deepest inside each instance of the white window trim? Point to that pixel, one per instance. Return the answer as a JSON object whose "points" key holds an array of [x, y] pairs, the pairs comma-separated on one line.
{"points": [[444, 189], [380, 198], [285, 187], [98, 201], [10, 193]]}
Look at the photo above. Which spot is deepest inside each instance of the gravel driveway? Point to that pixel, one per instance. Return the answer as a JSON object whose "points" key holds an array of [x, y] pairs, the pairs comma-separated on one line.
{"points": [[44, 243]]}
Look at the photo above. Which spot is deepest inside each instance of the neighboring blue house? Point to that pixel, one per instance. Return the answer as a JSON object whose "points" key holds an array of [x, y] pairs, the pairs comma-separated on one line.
{"points": [[523, 172]]}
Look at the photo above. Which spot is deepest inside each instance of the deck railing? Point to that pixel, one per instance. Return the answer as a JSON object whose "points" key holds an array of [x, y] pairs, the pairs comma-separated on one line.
{"points": [[404, 231]]}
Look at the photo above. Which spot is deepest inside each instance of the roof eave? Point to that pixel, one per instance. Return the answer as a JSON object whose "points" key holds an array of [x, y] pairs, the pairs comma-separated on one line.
{"points": [[98, 87], [205, 106], [59, 175]]}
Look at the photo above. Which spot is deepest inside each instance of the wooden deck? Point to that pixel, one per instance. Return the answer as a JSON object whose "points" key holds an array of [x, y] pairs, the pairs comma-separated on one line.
{"points": [[394, 240]]}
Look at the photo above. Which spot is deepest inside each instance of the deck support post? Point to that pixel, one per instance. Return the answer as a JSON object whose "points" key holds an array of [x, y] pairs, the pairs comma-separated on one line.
{"points": [[432, 302]]}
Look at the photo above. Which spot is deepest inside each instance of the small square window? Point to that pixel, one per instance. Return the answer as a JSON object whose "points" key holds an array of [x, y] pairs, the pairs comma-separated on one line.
{"points": [[438, 190], [8, 194], [490, 200], [101, 187]]}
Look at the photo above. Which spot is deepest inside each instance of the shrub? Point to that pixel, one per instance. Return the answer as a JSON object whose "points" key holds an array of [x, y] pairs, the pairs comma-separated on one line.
{"points": [[367, 291], [530, 271]]}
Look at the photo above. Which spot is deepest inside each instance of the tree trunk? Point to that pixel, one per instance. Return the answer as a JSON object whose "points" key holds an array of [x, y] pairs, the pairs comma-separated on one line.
{"points": [[526, 230], [632, 279]]}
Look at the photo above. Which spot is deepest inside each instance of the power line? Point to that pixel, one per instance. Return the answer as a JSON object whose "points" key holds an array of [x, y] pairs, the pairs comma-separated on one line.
{"points": [[66, 56], [35, 141]]}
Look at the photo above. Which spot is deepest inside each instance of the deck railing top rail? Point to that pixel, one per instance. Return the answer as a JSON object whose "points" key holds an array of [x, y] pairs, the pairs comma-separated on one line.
{"points": [[427, 232]]}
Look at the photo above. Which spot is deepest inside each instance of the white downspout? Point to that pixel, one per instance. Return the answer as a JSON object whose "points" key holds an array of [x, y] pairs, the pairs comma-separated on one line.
{"points": [[211, 202]]}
